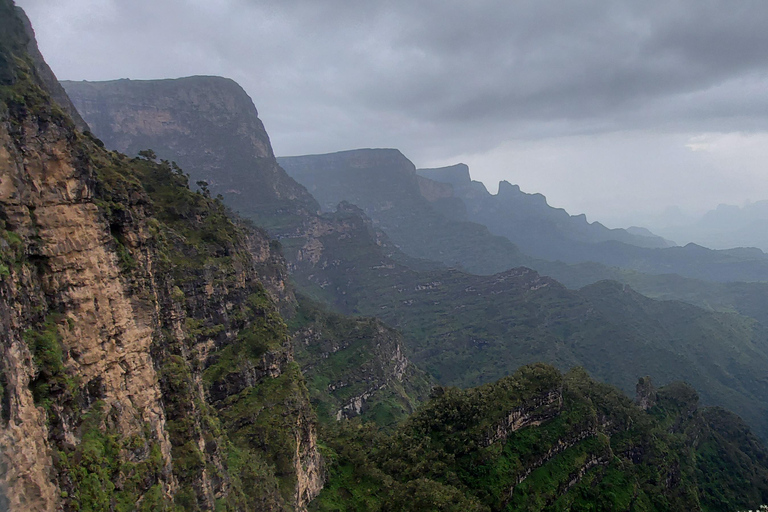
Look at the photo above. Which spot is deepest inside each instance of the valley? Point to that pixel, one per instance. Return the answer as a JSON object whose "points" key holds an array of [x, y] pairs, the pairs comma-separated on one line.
{"points": [[191, 323]]}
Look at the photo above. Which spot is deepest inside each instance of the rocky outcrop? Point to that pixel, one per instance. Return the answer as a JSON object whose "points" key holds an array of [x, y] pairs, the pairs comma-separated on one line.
{"points": [[645, 393], [143, 359], [534, 412]]}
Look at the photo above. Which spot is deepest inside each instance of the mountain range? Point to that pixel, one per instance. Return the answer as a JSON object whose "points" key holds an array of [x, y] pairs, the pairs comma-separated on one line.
{"points": [[464, 329], [183, 330]]}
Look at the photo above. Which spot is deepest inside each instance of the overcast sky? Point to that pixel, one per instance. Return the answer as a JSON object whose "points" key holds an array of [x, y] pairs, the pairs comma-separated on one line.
{"points": [[613, 109]]}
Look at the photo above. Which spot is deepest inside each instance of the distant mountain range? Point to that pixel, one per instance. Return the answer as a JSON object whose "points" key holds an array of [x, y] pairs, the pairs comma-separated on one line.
{"points": [[427, 219], [725, 226], [537, 228]]}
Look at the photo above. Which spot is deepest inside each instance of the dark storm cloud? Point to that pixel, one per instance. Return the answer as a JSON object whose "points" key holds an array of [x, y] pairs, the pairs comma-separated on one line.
{"points": [[605, 107], [437, 77], [517, 61]]}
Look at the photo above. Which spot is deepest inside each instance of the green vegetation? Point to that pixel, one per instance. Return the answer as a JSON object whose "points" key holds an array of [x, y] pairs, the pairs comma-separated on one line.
{"points": [[538, 440], [466, 330], [265, 333], [100, 475], [344, 358], [256, 419], [52, 381], [11, 251]]}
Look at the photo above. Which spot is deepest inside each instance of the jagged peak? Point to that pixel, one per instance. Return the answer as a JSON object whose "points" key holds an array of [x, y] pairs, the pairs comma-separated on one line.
{"points": [[506, 187]]}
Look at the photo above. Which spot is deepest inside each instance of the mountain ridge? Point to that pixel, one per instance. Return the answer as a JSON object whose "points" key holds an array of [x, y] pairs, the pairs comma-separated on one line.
{"points": [[113, 268], [348, 261]]}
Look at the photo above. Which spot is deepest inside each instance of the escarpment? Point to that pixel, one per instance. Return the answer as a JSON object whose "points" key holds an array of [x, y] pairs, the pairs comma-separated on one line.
{"points": [[202, 123], [128, 304], [76, 347], [463, 329]]}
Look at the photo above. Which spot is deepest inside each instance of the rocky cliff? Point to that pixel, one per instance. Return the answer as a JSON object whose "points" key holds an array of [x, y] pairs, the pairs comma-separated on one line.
{"points": [[165, 115], [143, 361]]}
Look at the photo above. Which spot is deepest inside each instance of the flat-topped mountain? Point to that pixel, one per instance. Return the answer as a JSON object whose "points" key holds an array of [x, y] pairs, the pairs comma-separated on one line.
{"points": [[165, 115]]}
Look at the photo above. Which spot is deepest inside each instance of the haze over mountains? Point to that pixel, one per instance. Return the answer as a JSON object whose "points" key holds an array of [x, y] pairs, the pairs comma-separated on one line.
{"points": [[218, 335], [723, 227], [367, 266]]}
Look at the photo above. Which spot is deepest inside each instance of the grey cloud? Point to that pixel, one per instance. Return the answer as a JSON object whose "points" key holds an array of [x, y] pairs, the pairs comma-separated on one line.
{"points": [[435, 77]]}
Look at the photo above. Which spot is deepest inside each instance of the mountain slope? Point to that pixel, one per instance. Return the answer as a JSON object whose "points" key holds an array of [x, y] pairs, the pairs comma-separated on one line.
{"points": [[355, 367], [539, 440], [164, 115], [130, 305]]}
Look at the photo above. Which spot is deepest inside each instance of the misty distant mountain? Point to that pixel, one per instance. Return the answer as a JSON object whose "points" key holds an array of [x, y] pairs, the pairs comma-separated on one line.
{"points": [[429, 219], [384, 184], [724, 227], [539, 229]]}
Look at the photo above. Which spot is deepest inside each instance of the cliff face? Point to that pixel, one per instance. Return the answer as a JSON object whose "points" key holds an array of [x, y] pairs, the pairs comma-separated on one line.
{"points": [[74, 335], [143, 360], [165, 115]]}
